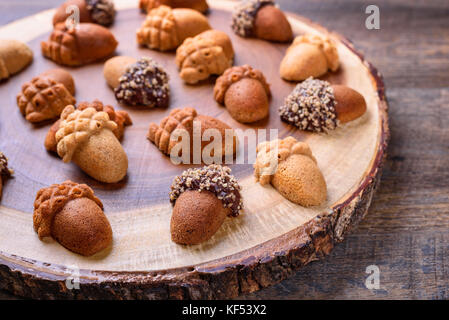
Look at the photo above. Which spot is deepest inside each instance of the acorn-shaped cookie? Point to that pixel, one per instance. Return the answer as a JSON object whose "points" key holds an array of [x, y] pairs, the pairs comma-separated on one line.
{"points": [[202, 199], [316, 105], [120, 117], [142, 83], [245, 93], [198, 5], [87, 138], [5, 172], [71, 214], [14, 57], [45, 96], [185, 121], [86, 43], [165, 28], [95, 11], [261, 19], [309, 56], [292, 169], [209, 53]]}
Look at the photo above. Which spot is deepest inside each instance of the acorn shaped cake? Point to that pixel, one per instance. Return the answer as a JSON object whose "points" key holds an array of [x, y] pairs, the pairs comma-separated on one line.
{"points": [[138, 83], [317, 106], [209, 53], [202, 199], [245, 93], [45, 96], [5, 172], [71, 214], [291, 168], [87, 138], [95, 11], [183, 121], [120, 117], [309, 56], [86, 43], [198, 5], [165, 28], [261, 19], [14, 57]]}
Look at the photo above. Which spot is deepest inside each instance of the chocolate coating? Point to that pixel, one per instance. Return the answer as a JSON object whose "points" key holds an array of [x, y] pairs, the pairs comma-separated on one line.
{"points": [[144, 83]]}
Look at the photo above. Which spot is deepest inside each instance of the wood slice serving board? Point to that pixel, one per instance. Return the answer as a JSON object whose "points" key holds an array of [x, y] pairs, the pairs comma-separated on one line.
{"points": [[267, 242]]}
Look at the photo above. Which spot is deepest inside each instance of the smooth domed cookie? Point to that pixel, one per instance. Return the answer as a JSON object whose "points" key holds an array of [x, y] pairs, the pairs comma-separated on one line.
{"points": [[245, 93], [14, 57]]}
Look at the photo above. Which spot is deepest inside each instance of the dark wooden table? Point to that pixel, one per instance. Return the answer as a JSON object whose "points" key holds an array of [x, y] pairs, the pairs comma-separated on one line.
{"points": [[406, 233]]}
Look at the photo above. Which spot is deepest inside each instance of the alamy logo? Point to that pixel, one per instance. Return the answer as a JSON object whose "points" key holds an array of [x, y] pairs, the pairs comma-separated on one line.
{"points": [[373, 20], [73, 19], [372, 282], [73, 280]]}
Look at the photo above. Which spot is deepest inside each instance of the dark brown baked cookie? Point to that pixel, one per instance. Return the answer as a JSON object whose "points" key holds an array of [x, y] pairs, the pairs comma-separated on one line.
{"points": [[96, 11]]}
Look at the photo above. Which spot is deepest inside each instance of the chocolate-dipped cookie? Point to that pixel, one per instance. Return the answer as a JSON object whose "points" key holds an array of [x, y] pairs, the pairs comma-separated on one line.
{"points": [[316, 105], [71, 214], [5, 172], [261, 19], [202, 198], [144, 83]]}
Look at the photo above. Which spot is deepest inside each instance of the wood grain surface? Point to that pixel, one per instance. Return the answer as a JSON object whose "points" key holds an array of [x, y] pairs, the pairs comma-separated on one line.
{"points": [[405, 233]]}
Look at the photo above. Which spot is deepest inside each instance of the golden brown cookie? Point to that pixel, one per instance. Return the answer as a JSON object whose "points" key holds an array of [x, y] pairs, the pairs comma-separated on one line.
{"points": [[209, 53], [87, 43], [5, 172], [14, 57], [86, 137], [72, 215], [95, 11], [120, 117], [165, 28], [115, 67], [202, 198], [316, 105], [291, 168], [245, 93], [198, 5], [45, 96], [183, 121], [261, 19], [309, 56]]}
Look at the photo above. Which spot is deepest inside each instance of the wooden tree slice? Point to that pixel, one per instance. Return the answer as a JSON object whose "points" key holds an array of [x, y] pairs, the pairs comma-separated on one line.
{"points": [[270, 240]]}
